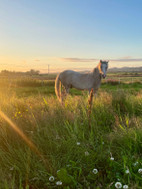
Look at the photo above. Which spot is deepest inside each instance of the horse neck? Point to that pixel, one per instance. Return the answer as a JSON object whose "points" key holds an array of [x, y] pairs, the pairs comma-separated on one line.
{"points": [[96, 73]]}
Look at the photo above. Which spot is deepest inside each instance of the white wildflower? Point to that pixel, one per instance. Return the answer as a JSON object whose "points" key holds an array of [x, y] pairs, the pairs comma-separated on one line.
{"points": [[125, 186], [118, 185], [51, 179], [103, 143], [140, 171], [112, 158], [57, 137], [11, 169], [136, 163], [95, 171], [59, 183], [127, 171], [78, 143], [86, 153]]}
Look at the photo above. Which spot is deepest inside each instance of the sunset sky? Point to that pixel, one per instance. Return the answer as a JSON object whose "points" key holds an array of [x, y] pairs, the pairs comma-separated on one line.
{"points": [[69, 34]]}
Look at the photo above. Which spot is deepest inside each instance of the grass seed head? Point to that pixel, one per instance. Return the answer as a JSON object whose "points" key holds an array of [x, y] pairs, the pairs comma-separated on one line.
{"points": [[125, 186], [58, 183], [118, 185], [51, 178], [95, 171], [140, 171]]}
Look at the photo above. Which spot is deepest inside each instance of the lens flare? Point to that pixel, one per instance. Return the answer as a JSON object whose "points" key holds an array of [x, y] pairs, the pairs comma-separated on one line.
{"points": [[22, 135]]}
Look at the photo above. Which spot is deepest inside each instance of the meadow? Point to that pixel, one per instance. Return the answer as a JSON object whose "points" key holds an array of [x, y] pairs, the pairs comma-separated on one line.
{"points": [[44, 144]]}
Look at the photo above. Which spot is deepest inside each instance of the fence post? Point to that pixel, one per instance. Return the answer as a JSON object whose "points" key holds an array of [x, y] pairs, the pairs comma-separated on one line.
{"points": [[132, 80], [119, 80]]}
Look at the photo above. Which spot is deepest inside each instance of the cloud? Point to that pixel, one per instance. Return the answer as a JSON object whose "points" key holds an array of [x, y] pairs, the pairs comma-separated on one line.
{"points": [[124, 59], [78, 59], [127, 60], [36, 60]]}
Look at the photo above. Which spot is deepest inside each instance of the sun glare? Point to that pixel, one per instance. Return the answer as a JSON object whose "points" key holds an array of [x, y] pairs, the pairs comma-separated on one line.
{"points": [[23, 136]]}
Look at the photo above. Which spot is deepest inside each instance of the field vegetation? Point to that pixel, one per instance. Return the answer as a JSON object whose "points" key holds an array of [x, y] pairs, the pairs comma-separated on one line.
{"points": [[44, 144]]}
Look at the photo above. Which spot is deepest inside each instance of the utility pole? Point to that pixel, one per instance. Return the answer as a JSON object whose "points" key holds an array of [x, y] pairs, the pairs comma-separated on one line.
{"points": [[48, 68]]}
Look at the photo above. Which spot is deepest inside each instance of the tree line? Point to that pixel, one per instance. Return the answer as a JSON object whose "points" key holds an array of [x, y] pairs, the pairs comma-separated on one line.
{"points": [[31, 72]]}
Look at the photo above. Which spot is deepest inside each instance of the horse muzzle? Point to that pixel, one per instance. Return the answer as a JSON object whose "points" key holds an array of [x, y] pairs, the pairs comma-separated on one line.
{"points": [[103, 76]]}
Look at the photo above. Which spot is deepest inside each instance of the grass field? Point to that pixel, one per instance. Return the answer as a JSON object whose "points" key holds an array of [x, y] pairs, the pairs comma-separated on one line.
{"points": [[46, 145]]}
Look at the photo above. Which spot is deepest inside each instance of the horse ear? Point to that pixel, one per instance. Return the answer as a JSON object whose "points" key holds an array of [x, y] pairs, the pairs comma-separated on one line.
{"points": [[101, 61]]}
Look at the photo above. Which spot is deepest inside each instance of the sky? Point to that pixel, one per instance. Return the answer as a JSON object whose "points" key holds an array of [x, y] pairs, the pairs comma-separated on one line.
{"points": [[69, 34]]}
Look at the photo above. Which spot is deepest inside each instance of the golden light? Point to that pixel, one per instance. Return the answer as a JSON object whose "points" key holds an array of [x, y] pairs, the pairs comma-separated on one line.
{"points": [[23, 136]]}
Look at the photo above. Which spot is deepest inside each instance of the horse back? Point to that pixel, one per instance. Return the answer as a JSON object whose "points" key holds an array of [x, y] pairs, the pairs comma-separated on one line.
{"points": [[76, 79]]}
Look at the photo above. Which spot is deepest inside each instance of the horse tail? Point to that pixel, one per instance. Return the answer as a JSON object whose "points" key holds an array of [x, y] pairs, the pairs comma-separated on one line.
{"points": [[58, 87]]}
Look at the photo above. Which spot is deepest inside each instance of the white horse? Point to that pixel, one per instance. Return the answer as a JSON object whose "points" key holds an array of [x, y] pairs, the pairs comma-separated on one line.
{"points": [[81, 81]]}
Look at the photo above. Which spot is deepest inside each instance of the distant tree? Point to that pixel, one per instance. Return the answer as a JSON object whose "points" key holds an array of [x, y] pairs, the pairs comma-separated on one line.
{"points": [[5, 72], [33, 72]]}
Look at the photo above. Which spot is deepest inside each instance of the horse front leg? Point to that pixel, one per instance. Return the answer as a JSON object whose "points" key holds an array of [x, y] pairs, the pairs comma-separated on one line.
{"points": [[94, 92], [90, 91]]}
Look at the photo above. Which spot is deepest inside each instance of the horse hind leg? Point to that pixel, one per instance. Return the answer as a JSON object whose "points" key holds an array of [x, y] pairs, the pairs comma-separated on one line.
{"points": [[67, 89], [64, 92], [95, 93]]}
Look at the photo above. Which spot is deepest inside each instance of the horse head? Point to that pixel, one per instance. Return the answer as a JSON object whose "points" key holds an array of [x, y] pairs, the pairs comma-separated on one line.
{"points": [[103, 66]]}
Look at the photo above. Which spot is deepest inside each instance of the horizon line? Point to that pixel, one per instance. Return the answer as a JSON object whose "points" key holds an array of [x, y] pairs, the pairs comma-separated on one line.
{"points": [[44, 71]]}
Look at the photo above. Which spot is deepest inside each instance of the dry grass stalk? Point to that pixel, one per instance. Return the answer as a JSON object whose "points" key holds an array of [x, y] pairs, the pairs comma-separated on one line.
{"points": [[90, 102]]}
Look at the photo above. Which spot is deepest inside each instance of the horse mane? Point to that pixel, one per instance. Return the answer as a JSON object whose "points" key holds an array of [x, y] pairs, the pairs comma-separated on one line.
{"points": [[97, 70]]}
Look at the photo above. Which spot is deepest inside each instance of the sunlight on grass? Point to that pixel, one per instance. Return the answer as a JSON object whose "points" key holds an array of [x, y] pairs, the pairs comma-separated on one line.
{"points": [[44, 144], [22, 135]]}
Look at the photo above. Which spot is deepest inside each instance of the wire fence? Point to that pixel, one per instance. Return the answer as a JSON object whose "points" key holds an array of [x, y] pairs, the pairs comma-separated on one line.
{"points": [[123, 79]]}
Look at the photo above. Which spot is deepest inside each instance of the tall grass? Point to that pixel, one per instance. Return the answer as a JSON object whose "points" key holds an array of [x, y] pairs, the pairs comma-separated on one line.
{"points": [[68, 149]]}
